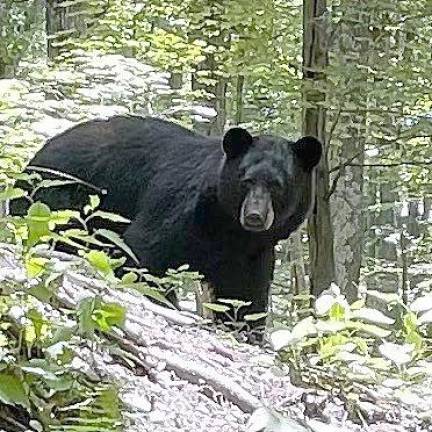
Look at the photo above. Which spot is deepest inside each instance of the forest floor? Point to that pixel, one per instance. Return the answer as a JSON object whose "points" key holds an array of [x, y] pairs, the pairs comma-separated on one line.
{"points": [[176, 374]]}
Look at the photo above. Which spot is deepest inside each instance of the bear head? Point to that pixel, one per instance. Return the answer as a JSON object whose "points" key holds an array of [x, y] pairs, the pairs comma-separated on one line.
{"points": [[266, 182]]}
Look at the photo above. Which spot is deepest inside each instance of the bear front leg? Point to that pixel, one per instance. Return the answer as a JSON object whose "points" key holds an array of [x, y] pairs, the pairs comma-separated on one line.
{"points": [[246, 277], [150, 249]]}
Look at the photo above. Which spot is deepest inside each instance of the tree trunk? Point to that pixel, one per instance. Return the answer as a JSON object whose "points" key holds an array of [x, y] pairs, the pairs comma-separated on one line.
{"points": [[55, 22], [297, 264], [239, 98], [427, 208], [315, 60], [215, 98], [413, 226], [62, 20], [208, 77], [347, 200]]}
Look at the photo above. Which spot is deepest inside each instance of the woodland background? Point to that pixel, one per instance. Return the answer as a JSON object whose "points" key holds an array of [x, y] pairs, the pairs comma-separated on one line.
{"points": [[358, 76]]}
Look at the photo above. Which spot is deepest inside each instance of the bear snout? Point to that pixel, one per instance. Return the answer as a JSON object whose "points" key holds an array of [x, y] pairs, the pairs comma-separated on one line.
{"points": [[257, 212]]}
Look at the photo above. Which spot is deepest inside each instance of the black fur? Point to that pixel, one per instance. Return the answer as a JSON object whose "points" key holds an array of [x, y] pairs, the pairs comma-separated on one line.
{"points": [[183, 194]]}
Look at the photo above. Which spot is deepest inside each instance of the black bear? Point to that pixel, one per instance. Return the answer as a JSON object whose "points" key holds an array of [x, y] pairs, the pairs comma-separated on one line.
{"points": [[217, 204]]}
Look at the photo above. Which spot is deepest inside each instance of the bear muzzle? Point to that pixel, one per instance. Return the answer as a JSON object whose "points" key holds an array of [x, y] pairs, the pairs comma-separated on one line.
{"points": [[256, 212]]}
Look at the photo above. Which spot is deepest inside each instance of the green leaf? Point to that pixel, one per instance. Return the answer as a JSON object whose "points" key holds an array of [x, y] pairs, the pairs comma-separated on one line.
{"points": [[337, 312], [94, 204], [38, 371], [82, 235], [330, 326], [148, 291], [12, 390], [37, 320], [35, 266], [118, 241], [235, 303], [94, 201], [101, 262], [368, 328], [86, 308], [63, 239], [216, 307], [255, 316], [372, 315], [41, 292], [109, 315], [60, 383], [108, 216], [62, 217], [38, 218], [129, 278], [60, 335], [11, 193]]}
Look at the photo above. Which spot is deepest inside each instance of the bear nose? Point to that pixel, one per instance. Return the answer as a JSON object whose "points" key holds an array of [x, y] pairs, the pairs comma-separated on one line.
{"points": [[254, 218]]}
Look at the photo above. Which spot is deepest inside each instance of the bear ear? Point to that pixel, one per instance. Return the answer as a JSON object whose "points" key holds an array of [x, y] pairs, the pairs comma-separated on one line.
{"points": [[309, 151], [236, 142]]}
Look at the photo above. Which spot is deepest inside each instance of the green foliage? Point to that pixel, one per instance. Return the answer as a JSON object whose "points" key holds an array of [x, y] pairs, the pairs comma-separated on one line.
{"points": [[361, 343], [22, 30], [37, 374], [12, 390], [94, 314], [97, 409], [232, 312]]}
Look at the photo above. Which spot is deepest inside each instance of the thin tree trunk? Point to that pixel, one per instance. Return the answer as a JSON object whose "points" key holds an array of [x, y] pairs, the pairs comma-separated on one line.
{"points": [[315, 60], [427, 208], [297, 264], [239, 98]]}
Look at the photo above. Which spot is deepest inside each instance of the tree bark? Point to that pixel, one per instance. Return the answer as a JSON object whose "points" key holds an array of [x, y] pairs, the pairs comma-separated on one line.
{"points": [[209, 78], [63, 19], [297, 264], [215, 98], [239, 98], [427, 208], [54, 22], [347, 201], [315, 60]]}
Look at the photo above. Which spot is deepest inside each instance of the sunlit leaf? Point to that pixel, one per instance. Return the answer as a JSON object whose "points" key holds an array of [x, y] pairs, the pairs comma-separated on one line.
{"points": [[254, 316], [38, 218], [12, 390], [216, 307], [11, 193], [108, 216], [372, 315], [118, 241]]}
